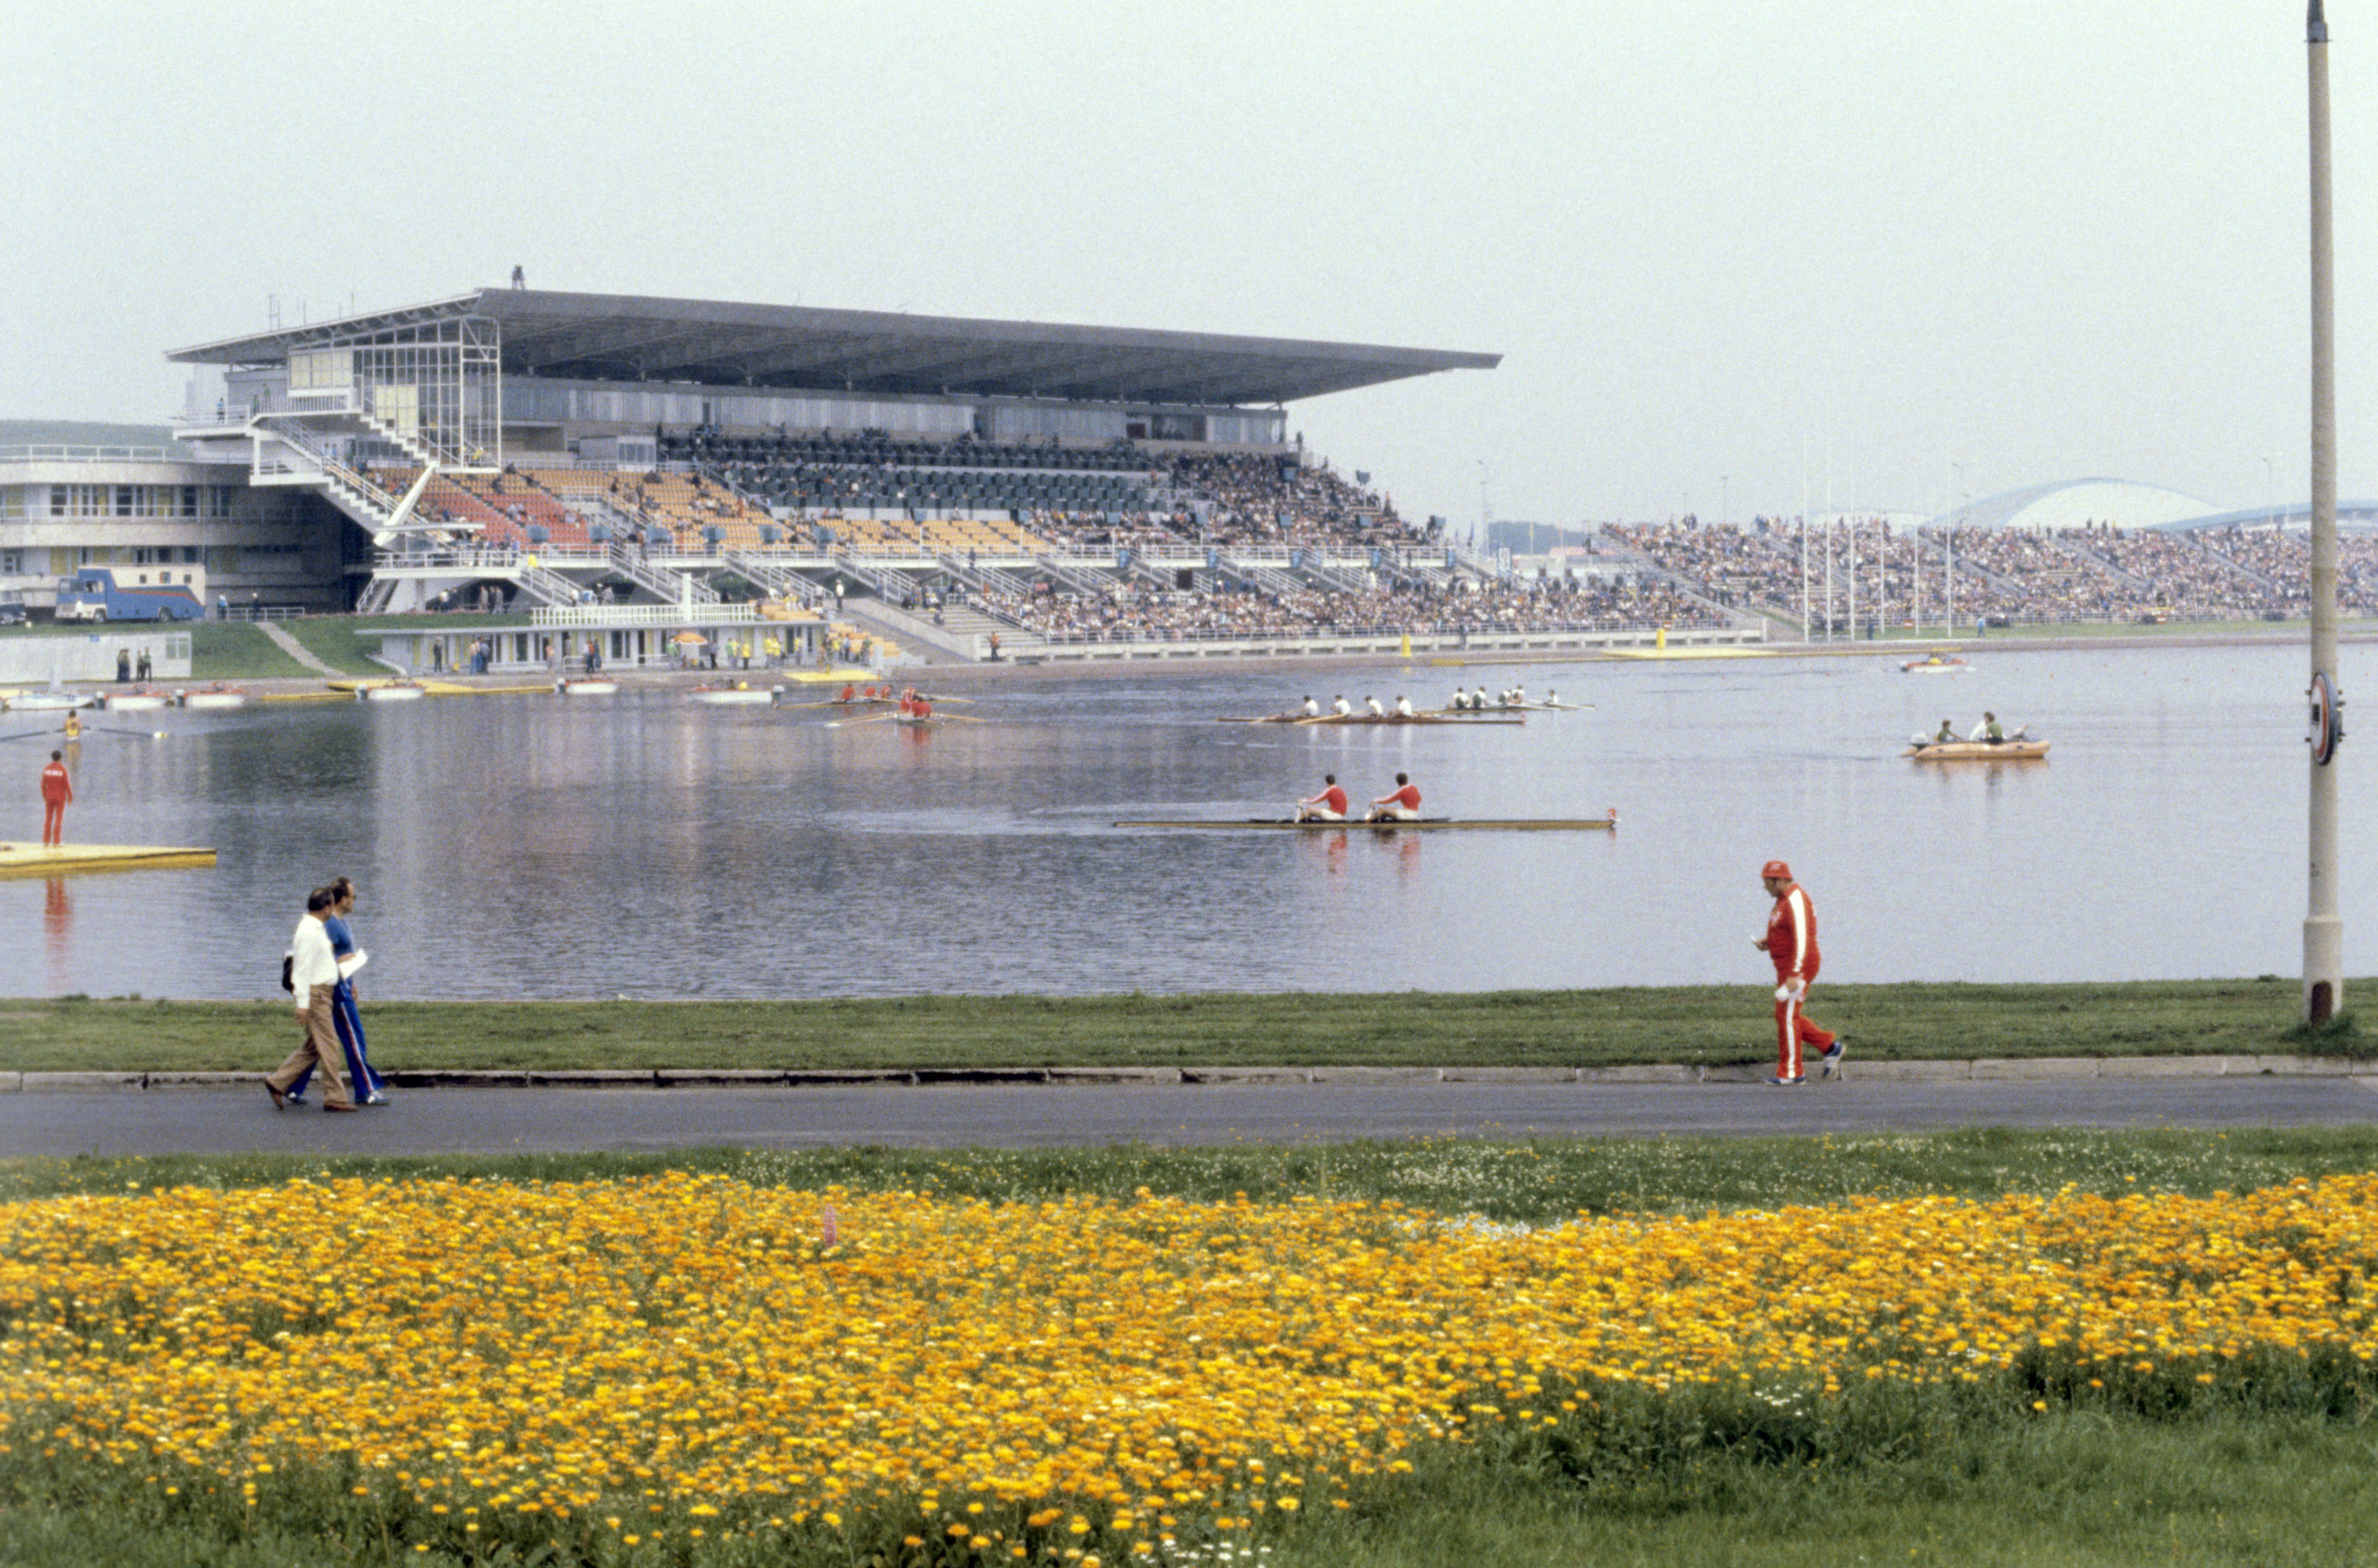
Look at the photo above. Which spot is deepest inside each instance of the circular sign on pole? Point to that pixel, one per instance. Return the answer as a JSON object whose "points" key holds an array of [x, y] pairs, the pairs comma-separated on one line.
{"points": [[2327, 718]]}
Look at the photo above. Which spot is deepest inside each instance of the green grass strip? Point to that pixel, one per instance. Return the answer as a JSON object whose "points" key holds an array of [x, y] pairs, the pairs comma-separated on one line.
{"points": [[1541, 1180], [238, 650], [1692, 1025]]}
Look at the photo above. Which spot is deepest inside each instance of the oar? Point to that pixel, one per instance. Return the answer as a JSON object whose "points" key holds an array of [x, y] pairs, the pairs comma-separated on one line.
{"points": [[118, 729]]}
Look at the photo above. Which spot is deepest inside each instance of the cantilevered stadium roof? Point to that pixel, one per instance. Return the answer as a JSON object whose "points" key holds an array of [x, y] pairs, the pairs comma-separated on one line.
{"points": [[631, 337]]}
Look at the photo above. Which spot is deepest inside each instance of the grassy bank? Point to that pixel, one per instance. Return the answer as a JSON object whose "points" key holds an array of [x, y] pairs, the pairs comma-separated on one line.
{"points": [[238, 650], [2270, 1467], [1702, 1025], [347, 642]]}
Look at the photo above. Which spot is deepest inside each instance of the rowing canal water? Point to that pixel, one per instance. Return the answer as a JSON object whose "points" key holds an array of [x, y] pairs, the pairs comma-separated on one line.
{"points": [[647, 847]]}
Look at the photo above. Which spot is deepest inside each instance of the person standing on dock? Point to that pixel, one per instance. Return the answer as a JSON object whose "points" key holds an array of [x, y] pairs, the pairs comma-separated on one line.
{"points": [[1403, 806], [57, 793], [313, 974], [1330, 806], [1791, 943]]}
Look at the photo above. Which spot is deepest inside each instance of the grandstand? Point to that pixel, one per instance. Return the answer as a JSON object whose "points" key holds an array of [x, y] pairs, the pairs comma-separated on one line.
{"points": [[1061, 489]]}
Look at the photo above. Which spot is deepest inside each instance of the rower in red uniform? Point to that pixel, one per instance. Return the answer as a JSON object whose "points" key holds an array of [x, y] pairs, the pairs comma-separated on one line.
{"points": [[1330, 806], [1403, 806], [849, 692], [58, 792], [1791, 941]]}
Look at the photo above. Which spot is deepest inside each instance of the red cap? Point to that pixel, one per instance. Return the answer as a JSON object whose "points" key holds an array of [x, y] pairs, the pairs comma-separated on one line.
{"points": [[1775, 868]]}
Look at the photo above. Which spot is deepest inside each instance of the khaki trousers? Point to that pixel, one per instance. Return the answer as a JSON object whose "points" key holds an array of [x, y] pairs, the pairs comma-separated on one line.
{"points": [[319, 1049]]}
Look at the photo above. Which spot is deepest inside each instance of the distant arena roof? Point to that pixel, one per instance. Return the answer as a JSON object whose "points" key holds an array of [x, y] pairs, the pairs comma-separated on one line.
{"points": [[629, 338], [2074, 503]]}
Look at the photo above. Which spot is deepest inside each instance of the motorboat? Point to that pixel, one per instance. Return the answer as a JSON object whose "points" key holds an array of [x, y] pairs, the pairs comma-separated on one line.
{"points": [[588, 686], [392, 691], [51, 701], [138, 700]]}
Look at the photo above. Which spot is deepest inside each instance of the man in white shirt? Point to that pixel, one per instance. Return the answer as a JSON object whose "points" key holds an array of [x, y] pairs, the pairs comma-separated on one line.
{"points": [[313, 972], [1373, 704]]}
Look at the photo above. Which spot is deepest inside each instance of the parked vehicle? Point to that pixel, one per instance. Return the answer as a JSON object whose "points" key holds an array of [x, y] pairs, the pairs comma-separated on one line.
{"points": [[12, 606], [93, 595]]}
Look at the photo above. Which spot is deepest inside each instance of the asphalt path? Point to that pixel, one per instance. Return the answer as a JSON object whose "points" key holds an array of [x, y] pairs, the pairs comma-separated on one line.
{"points": [[494, 1121]]}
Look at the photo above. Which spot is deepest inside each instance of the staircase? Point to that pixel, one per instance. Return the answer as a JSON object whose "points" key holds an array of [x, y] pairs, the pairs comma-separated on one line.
{"points": [[1325, 573], [983, 578], [669, 587], [887, 583], [778, 580], [1271, 580], [550, 587], [1095, 584]]}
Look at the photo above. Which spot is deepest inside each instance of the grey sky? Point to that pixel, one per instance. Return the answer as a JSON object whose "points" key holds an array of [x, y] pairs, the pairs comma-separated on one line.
{"points": [[1721, 246]]}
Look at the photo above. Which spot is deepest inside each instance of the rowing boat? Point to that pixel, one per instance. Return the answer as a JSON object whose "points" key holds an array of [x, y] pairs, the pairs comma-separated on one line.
{"points": [[1513, 708], [1318, 719], [872, 702], [1976, 751], [217, 698], [1935, 665], [1447, 824], [733, 696]]}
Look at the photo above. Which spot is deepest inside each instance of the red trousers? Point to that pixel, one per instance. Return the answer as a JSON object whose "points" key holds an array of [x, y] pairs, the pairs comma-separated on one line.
{"points": [[1795, 1029], [54, 822]]}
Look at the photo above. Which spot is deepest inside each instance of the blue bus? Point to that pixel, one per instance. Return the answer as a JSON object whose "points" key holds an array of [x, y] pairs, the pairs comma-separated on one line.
{"points": [[93, 595]]}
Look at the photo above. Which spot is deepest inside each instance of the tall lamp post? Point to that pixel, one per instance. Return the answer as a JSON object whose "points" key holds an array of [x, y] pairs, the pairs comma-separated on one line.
{"points": [[2323, 932]]}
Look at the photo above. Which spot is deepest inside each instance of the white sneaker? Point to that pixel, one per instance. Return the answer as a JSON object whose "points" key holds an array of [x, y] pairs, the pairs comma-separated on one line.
{"points": [[1832, 1056]]}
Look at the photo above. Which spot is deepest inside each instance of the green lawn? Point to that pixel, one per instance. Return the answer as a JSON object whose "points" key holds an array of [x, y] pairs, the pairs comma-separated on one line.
{"points": [[1695, 1026], [346, 642], [238, 650]]}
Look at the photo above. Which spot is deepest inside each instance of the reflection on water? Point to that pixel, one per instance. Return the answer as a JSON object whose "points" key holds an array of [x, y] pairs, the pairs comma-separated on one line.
{"points": [[648, 847], [57, 933]]}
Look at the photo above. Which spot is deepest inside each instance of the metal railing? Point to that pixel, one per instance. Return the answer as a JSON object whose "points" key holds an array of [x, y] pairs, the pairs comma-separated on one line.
{"points": [[643, 615], [56, 452]]}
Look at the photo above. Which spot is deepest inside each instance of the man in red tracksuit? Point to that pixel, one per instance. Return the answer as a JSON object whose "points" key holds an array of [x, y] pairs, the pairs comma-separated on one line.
{"points": [[57, 791], [1791, 941]]}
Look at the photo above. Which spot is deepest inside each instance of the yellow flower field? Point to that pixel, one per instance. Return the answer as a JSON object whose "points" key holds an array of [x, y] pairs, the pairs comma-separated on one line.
{"points": [[688, 1349]]}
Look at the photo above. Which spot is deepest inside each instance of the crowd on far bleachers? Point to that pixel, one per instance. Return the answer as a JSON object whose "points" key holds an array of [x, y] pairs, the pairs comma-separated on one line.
{"points": [[1139, 611], [2097, 574]]}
